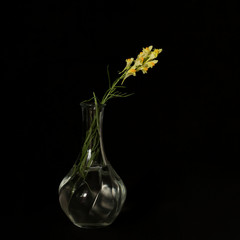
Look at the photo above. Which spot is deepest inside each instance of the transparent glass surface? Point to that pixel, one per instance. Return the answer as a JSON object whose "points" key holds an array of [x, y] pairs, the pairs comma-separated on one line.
{"points": [[97, 199]]}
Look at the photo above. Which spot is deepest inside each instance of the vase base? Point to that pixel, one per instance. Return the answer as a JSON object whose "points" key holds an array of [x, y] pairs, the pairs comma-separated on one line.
{"points": [[91, 226]]}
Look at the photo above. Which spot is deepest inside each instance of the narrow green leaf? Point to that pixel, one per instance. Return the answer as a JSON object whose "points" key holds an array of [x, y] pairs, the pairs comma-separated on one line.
{"points": [[108, 74]]}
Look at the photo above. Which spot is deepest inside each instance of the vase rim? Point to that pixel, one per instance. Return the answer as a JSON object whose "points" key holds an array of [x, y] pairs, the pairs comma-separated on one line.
{"points": [[91, 105]]}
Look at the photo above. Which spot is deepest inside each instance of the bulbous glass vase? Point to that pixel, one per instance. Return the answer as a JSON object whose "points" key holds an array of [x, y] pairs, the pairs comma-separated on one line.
{"points": [[92, 194]]}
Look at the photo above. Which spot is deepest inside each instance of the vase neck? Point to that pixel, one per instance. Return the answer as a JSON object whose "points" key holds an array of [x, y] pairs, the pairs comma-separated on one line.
{"points": [[92, 125], [89, 115]]}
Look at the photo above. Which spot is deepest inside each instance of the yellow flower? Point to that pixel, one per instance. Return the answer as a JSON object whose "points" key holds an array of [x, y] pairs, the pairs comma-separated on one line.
{"points": [[139, 61], [142, 56], [129, 62], [143, 69], [157, 51], [132, 71], [154, 53], [146, 51], [151, 64]]}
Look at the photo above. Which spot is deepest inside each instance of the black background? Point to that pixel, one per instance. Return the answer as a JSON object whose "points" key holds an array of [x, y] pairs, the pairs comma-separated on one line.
{"points": [[175, 143]]}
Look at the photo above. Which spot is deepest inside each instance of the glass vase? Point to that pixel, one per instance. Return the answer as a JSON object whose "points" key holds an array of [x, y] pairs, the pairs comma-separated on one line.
{"points": [[92, 194]]}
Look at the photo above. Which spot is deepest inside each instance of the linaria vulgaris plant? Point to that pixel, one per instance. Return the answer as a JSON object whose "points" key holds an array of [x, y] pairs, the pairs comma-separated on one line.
{"points": [[146, 59]]}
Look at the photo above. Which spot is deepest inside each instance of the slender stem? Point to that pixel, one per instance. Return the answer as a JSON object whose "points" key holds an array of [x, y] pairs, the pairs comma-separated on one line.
{"points": [[107, 96], [93, 134], [90, 148]]}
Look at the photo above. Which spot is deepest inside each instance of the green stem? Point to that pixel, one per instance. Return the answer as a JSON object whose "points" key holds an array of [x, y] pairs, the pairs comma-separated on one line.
{"points": [[92, 140], [110, 91], [92, 143]]}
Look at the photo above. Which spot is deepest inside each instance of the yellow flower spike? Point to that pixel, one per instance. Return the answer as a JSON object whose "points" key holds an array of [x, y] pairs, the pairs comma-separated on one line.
{"points": [[143, 62]]}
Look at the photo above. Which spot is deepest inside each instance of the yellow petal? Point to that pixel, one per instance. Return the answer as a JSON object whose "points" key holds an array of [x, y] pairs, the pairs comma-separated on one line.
{"points": [[132, 70]]}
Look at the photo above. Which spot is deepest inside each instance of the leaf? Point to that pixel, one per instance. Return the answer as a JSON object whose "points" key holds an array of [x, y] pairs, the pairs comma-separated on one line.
{"points": [[88, 100], [108, 74]]}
